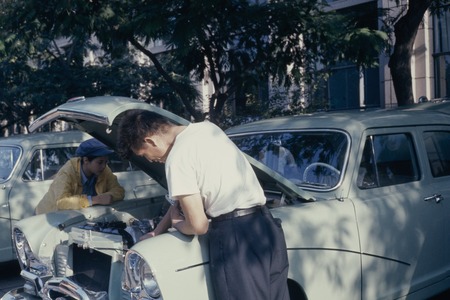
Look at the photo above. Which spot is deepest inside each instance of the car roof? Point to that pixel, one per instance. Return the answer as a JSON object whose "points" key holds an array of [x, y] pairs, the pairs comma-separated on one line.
{"points": [[44, 138], [355, 120]]}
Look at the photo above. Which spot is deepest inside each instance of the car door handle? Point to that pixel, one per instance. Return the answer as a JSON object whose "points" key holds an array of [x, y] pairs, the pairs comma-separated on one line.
{"points": [[436, 197]]}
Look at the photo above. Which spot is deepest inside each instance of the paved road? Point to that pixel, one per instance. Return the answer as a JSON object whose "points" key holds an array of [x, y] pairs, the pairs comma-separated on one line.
{"points": [[10, 278]]}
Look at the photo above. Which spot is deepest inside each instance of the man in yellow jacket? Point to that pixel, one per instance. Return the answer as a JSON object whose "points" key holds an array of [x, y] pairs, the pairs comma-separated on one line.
{"points": [[83, 181]]}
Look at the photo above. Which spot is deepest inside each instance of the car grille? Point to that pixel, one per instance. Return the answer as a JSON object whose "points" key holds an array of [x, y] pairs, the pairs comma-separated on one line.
{"points": [[92, 269]]}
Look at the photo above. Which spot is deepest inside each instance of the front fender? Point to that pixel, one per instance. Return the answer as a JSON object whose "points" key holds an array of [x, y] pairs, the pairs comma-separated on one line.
{"points": [[44, 232], [180, 265]]}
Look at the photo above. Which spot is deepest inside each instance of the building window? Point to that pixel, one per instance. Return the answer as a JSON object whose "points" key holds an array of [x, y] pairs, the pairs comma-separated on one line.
{"points": [[442, 53], [442, 69], [349, 86]]}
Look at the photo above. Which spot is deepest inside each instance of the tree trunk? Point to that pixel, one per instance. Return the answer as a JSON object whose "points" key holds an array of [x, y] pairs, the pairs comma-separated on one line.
{"points": [[400, 61]]}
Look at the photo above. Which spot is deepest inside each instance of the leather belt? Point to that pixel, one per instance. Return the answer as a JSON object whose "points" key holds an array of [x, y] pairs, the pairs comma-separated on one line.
{"points": [[237, 213]]}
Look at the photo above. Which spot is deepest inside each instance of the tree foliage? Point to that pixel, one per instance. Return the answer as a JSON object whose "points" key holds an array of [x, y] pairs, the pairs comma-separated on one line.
{"points": [[40, 67], [233, 44]]}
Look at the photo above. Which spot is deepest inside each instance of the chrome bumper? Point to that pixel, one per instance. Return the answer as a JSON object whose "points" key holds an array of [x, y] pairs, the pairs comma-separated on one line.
{"points": [[51, 289], [33, 283], [18, 294]]}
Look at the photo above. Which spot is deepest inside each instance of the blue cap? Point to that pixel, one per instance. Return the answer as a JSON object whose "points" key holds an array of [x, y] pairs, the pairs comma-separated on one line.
{"points": [[93, 148]]}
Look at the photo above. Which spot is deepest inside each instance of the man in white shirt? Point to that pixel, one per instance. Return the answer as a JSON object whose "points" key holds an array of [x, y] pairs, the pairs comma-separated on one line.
{"points": [[216, 191]]}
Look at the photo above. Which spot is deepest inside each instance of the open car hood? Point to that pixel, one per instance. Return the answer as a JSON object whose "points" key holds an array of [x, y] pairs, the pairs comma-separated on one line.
{"points": [[100, 117]]}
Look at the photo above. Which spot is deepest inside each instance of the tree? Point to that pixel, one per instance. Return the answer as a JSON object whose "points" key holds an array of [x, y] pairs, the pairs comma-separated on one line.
{"points": [[405, 30], [38, 72], [232, 44], [26, 91]]}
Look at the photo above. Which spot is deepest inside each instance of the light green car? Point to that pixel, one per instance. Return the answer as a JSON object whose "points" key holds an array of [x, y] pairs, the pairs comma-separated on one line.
{"points": [[363, 197], [28, 164]]}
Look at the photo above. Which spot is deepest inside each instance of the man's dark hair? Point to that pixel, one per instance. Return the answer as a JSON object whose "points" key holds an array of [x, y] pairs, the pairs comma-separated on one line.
{"points": [[134, 126]]}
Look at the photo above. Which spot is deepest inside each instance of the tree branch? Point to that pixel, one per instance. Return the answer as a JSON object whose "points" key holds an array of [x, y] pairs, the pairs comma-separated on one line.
{"points": [[195, 114]]}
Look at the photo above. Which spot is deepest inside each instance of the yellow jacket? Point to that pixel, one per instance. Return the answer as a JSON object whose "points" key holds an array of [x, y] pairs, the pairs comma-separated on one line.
{"points": [[65, 190]]}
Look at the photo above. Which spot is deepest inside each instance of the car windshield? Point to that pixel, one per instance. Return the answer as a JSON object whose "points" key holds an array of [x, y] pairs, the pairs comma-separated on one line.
{"points": [[311, 159], [9, 157]]}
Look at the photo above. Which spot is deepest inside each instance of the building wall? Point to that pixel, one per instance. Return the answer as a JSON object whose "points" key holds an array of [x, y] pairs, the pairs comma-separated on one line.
{"points": [[422, 64], [441, 53]]}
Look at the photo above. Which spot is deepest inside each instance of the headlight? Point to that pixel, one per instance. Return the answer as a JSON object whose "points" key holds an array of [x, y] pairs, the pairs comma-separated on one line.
{"points": [[27, 259], [139, 279]]}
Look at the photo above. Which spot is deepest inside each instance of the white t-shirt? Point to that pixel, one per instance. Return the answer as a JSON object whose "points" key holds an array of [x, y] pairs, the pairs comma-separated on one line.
{"points": [[204, 160]]}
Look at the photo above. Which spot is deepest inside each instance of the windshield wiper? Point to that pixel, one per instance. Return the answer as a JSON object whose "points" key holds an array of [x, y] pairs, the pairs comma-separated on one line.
{"points": [[315, 184]]}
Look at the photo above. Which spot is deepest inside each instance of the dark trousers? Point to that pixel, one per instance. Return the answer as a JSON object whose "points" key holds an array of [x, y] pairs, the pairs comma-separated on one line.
{"points": [[248, 258]]}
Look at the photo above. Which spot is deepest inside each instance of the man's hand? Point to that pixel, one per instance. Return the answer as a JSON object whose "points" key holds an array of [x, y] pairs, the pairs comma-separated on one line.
{"points": [[147, 236], [104, 199]]}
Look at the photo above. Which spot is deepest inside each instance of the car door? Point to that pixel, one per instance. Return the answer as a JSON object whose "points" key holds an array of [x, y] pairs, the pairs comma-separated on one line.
{"points": [[436, 141], [34, 178], [400, 233], [9, 159], [29, 181]]}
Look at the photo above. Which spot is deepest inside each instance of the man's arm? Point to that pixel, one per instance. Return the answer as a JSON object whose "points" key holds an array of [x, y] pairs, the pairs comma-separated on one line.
{"points": [[162, 226], [192, 219]]}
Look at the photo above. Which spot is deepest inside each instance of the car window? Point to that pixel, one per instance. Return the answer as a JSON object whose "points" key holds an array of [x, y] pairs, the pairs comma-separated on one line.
{"points": [[310, 159], [45, 163], [9, 156], [119, 165], [437, 145], [387, 160]]}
